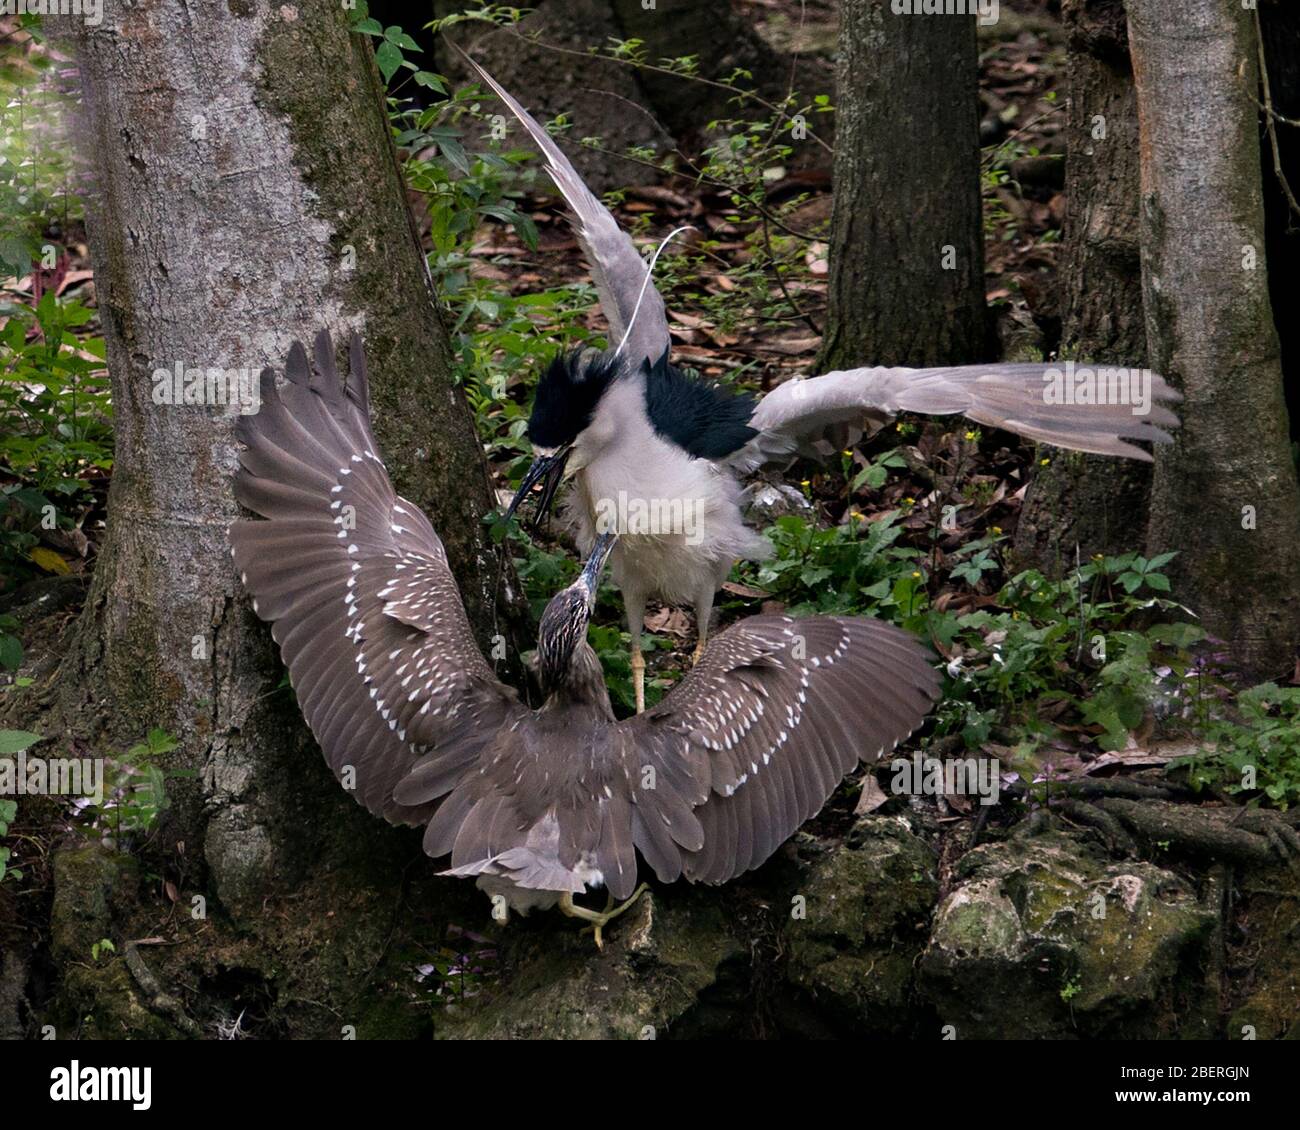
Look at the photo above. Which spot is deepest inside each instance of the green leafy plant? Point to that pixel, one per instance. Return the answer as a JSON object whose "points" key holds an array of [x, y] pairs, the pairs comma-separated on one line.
{"points": [[1080, 649], [135, 789], [11, 742], [11, 647], [8, 812], [857, 566], [1260, 753], [34, 161], [611, 645], [55, 426]]}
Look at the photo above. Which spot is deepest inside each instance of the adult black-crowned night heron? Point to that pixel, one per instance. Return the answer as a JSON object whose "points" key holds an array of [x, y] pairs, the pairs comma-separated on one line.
{"points": [[538, 805], [659, 457]]}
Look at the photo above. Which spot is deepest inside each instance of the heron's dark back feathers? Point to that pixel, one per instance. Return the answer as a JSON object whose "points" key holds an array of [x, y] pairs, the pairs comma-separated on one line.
{"points": [[705, 420]]}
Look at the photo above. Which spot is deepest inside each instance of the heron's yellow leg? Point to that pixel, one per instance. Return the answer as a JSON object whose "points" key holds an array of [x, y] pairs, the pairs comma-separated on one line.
{"points": [[638, 676], [599, 919], [699, 647]]}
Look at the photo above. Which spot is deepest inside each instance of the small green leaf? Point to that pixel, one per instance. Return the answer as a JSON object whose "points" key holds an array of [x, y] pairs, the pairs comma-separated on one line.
{"points": [[430, 80], [389, 59], [398, 36], [15, 741], [11, 652]]}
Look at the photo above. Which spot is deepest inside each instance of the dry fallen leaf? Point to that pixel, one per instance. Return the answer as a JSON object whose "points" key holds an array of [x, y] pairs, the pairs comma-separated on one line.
{"points": [[792, 346], [747, 591], [669, 621], [873, 796]]}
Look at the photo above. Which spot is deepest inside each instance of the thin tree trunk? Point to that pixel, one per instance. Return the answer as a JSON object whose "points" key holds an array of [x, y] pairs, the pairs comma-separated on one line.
{"points": [[245, 193], [1226, 494], [1084, 503], [907, 252]]}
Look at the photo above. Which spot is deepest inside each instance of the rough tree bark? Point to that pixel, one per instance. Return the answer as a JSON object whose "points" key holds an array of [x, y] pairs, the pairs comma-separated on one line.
{"points": [[245, 193], [1096, 504], [907, 252], [1279, 22], [1226, 493]]}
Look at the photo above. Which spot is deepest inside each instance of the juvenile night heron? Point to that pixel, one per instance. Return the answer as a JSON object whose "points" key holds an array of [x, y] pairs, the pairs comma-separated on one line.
{"points": [[538, 805], [659, 457]]}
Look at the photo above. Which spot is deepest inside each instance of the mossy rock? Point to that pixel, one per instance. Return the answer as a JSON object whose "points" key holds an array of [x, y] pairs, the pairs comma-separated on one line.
{"points": [[91, 882], [1042, 939], [554, 984], [102, 1002], [867, 908]]}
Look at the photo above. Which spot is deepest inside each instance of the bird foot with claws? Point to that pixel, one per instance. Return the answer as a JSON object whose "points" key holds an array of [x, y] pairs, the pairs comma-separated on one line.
{"points": [[598, 919]]}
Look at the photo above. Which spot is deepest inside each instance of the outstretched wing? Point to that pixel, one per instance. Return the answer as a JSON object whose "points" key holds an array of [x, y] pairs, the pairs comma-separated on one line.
{"points": [[756, 738], [620, 274], [1030, 399], [357, 589]]}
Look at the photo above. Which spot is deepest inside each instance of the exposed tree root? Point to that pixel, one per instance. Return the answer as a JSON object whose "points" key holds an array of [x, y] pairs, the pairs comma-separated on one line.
{"points": [[163, 1003], [1223, 835]]}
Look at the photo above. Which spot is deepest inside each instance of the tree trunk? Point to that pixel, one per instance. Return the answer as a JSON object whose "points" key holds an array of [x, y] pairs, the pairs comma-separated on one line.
{"points": [[907, 252], [1280, 24], [1080, 502], [1226, 493], [245, 193]]}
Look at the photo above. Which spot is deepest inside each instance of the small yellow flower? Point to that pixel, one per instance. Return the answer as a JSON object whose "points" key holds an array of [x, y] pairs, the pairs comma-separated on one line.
{"points": [[916, 575], [806, 483], [1043, 462], [997, 531], [970, 435], [909, 502]]}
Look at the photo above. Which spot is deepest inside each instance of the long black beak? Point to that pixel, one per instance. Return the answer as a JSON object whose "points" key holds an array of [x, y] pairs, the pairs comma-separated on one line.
{"points": [[591, 570], [549, 471]]}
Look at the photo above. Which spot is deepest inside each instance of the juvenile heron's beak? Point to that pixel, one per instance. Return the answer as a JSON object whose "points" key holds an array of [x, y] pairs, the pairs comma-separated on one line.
{"points": [[549, 471], [590, 578]]}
